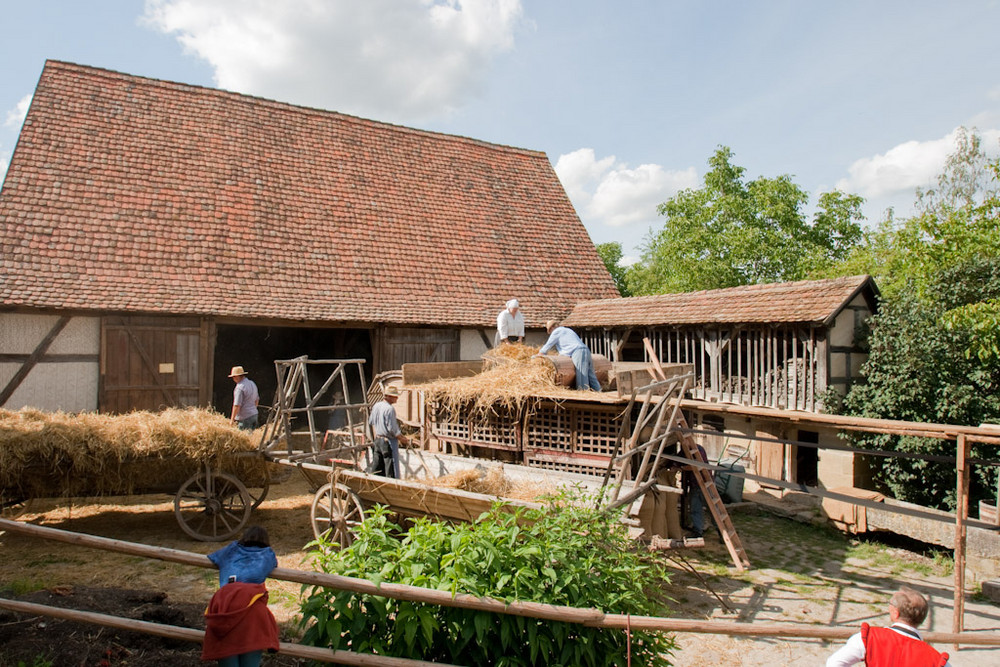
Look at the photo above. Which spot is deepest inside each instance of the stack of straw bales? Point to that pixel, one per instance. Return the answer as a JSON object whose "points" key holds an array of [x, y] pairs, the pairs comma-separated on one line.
{"points": [[46, 455]]}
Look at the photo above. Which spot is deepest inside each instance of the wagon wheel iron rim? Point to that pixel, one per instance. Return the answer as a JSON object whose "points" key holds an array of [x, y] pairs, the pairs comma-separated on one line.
{"points": [[336, 513], [212, 506]]}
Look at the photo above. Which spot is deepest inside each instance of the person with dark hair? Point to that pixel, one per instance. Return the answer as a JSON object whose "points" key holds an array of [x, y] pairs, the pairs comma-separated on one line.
{"points": [[238, 625], [897, 646]]}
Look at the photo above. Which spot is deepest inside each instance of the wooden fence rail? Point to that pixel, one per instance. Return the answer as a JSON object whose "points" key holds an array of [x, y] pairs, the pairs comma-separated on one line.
{"points": [[588, 617]]}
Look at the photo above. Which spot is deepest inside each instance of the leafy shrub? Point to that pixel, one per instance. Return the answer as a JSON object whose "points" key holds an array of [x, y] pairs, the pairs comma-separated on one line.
{"points": [[563, 555]]}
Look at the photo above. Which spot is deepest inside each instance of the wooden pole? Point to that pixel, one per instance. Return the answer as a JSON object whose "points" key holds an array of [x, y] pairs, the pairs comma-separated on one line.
{"points": [[198, 636], [588, 617], [961, 514]]}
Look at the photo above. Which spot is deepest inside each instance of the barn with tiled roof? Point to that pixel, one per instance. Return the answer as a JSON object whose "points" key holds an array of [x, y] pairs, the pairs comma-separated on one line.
{"points": [[176, 230]]}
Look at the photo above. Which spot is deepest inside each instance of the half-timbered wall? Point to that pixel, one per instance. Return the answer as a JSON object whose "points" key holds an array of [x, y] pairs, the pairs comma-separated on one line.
{"points": [[49, 362]]}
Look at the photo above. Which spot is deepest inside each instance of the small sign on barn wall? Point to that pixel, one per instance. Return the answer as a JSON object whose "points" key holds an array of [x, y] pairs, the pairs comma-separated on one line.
{"points": [[166, 368]]}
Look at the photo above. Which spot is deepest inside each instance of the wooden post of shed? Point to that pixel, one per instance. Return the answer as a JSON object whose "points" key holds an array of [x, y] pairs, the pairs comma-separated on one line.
{"points": [[961, 513]]}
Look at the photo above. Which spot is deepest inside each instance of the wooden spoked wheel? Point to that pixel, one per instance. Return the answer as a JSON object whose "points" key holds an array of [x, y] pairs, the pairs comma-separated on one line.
{"points": [[212, 506], [258, 494], [336, 512]]}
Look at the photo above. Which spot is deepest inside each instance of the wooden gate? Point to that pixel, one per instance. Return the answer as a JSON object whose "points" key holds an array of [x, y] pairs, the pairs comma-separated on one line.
{"points": [[154, 363]]}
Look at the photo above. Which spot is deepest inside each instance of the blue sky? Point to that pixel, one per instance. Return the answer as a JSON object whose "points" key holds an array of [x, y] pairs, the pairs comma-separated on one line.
{"points": [[629, 98]]}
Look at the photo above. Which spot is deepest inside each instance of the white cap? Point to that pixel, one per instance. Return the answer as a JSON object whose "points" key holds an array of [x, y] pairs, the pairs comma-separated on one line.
{"points": [[513, 304]]}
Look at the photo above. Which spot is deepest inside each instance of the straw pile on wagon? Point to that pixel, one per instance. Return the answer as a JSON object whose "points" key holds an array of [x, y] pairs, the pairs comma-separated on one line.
{"points": [[512, 378], [45, 454], [494, 482]]}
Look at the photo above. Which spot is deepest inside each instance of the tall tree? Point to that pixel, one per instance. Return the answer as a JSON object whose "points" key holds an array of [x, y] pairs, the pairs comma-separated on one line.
{"points": [[737, 232], [935, 343], [611, 254]]}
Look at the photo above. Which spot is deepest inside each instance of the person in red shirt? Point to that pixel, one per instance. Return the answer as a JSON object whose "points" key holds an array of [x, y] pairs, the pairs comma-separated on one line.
{"points": [[238, 625], [897, 646]]}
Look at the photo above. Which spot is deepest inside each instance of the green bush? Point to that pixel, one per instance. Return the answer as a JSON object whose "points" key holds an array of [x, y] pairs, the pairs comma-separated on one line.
{"points": [[564, 555]]}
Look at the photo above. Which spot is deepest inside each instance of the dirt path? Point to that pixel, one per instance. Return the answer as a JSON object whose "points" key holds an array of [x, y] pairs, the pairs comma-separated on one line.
{"points": [[801, 575]]}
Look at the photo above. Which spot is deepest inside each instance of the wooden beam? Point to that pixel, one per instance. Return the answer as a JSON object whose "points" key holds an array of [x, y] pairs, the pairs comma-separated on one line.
{"points": [[961, 514], [428, 372], [32, 360]]}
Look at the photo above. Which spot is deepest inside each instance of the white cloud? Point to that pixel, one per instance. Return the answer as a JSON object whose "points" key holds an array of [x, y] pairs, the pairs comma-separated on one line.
{"points": [[16, 115], [608, 192], [907, 166], [399, 60]]}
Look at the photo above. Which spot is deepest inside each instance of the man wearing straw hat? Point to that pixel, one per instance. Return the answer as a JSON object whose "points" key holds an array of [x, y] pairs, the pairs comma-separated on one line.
{"points": [[510, 324], [245, 400], [385, 429], [569, 344]]}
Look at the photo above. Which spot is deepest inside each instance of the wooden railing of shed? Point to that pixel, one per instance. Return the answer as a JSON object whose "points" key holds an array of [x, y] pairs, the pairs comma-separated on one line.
{"points": [[782, 367]]}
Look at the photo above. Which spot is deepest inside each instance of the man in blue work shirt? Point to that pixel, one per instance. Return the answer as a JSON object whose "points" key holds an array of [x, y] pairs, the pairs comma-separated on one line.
{"points": [[385, 429], [569, 344]]}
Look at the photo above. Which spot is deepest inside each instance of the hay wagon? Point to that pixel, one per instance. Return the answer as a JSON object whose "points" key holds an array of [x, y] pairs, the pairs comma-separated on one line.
{"points": [[345, 491], [334, 460], [50, 456]]}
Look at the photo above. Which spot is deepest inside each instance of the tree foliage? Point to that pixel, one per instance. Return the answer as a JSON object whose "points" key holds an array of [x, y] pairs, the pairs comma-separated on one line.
{"points": [[611, 254], [919, 370], [935, 343], [736, 232], [566, 555]]}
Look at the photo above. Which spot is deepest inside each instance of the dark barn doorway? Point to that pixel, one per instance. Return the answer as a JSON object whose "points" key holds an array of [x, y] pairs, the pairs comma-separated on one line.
{"points": [[256, 348]]}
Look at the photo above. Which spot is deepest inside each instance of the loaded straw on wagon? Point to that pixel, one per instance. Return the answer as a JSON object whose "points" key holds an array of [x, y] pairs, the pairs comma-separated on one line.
{"points": [[213, 471]]}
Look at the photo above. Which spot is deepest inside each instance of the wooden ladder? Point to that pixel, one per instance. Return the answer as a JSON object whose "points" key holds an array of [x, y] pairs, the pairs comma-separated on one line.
{"points": [[660, 415], [711, 494]]}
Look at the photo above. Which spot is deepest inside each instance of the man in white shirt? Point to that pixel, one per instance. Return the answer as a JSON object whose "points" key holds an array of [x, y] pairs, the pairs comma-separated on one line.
{"points": [[510, 324], [897, 646]]}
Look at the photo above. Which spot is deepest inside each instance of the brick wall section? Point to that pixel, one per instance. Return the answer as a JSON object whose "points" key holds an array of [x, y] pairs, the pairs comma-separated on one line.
{"points": [[137, 195]]}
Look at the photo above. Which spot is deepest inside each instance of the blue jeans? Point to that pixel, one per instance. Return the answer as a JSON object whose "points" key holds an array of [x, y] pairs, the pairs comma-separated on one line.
{"points": [[586, 378], [251, 659], [248, 424], [697, 511]]}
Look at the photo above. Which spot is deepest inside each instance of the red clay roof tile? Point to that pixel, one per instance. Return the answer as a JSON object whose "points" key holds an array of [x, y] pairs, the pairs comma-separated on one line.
{"points": [[133, 194], [813, 301]]}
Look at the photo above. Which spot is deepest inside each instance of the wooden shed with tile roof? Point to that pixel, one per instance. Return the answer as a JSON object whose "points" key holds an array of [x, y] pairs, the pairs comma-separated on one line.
{"points": [[779, 345], [155, 233], [773, 348]]}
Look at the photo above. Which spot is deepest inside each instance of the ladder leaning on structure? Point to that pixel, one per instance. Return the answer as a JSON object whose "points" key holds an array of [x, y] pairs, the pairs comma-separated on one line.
{"points": [[665, 431]]}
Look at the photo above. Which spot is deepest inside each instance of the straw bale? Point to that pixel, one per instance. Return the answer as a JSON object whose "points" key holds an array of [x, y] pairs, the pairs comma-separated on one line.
{"points": [[512, 379], [55, 454], [493, 482]]}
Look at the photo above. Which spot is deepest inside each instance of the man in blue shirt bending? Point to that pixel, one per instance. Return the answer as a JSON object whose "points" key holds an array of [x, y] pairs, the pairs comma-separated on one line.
{"points": [[568, 343]]}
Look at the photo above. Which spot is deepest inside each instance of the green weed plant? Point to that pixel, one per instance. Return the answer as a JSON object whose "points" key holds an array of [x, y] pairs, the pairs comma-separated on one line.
{"points": [[563, 554]]}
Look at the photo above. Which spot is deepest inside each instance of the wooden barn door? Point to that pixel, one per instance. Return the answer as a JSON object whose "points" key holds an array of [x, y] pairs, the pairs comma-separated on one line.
{"points": [[770, 456], [154, 363], [409, 345]]}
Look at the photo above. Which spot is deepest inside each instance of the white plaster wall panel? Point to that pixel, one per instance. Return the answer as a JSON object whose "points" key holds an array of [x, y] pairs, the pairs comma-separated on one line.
{"points": [[70, 387], [20, 333], [857, 361], [470, 344], [82, 335], [842, 331]]}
